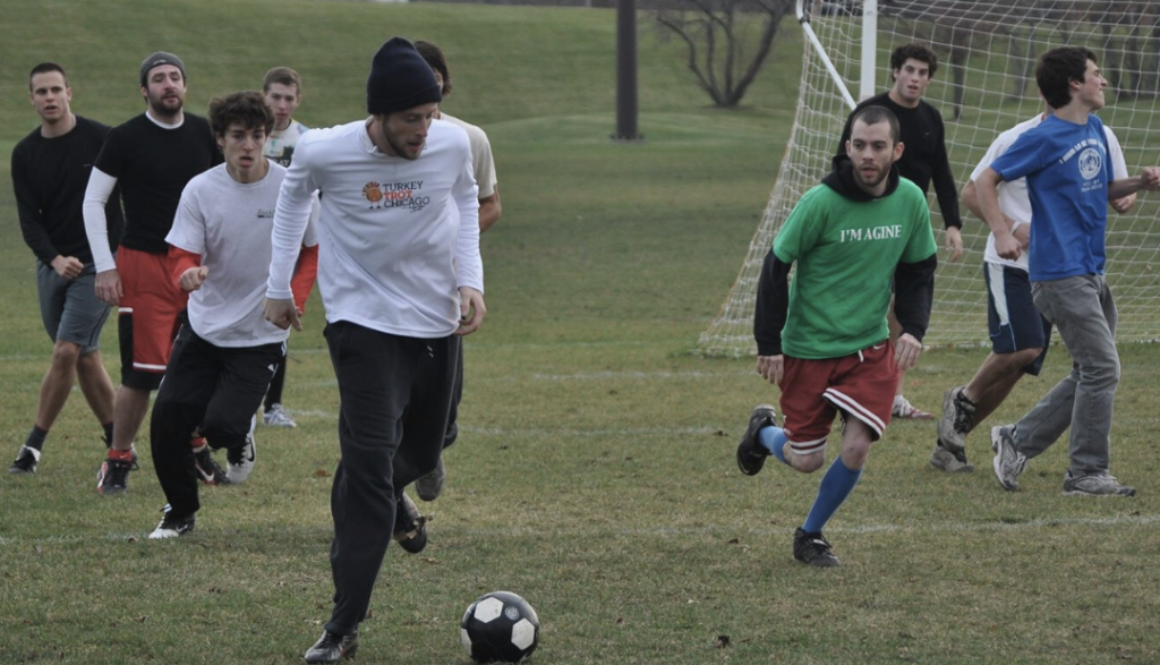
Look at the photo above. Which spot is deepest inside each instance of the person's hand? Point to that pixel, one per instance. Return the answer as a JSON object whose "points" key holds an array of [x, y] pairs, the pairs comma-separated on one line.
{"points": [[68, 267], [771, 368], [192, 279], [1007, 246], [471, 310], [109, 289], [1152, 178], [282, 313], [1022, 234], [1124, 203], [954, 242], [906, 351]]}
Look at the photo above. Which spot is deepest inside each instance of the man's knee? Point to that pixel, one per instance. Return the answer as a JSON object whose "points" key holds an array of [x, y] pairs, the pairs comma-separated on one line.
{"points": [[1024, 357], [806, 463], [65, 354]]}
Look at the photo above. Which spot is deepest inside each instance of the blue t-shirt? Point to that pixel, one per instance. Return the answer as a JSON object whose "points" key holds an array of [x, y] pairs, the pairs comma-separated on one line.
{"points": [[1068, 169]]}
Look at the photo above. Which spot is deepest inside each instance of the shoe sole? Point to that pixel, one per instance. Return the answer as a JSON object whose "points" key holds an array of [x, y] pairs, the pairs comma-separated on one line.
{"points": [[996, 436]]}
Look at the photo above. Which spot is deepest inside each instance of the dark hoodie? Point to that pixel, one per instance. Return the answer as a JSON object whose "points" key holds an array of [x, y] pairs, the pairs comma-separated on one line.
{"points": [[913, 282]]}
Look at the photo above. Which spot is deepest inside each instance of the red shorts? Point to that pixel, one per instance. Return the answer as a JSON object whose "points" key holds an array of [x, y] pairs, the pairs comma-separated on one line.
{"points": [[814, 391], [147, 316]]}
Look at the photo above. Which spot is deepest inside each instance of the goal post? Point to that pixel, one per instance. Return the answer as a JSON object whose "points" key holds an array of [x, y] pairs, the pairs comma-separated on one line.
{"points": [[983, 86]]}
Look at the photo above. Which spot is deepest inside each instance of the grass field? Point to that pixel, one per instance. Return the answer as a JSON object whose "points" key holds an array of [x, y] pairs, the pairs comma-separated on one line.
{"points": [[595, 472]]}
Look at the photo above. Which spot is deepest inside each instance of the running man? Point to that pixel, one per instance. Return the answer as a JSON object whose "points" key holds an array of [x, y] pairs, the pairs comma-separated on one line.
{"points": [[151, 157], [225, 353], [825, 342], [1070, 181]]}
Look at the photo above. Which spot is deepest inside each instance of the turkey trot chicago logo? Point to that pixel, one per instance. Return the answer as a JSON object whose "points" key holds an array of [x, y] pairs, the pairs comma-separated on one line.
{"points": [[396, 195]]}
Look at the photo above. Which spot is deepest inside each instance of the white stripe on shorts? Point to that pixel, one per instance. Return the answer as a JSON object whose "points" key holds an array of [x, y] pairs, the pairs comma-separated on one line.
{"points": [[847, 404], [999, 292]]}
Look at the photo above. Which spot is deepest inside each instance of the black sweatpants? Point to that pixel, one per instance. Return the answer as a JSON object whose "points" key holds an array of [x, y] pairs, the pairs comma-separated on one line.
{"points": [[395, 396], [209, 388]]}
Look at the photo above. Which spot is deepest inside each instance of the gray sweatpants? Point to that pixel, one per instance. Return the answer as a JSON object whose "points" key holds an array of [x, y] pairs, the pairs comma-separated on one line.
{"points": [[1084, 312]]}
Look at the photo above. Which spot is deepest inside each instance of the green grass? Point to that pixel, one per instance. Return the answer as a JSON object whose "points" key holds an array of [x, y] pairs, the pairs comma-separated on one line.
{"points": [[595, 472]]}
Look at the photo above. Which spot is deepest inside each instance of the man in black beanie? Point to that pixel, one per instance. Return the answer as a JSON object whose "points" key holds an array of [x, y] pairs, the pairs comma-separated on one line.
{"points": [[401, 279]]}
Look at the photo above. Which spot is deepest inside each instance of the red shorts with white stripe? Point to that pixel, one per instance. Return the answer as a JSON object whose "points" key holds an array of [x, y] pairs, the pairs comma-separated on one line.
{"points": [[860, 385], [147, 316]]}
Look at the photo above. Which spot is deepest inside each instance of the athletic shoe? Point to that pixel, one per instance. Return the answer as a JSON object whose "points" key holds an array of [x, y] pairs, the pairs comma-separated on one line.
{"points": [[750, 453], [332, 648], [172, 527], [207, 469], [241, 459], [1008, 462], [957, 416], [430, 486], [1102, 484], [904, 409], [113, 477], [950, 462], [26, 461], [410, 526], [813, 549], [276, 416]]}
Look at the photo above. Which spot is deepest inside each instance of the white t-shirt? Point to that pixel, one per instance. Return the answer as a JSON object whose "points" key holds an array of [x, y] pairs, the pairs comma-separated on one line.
{"points": [[229, 223], [1014, 200], [280, 145], [482, 162], [397, 237]]}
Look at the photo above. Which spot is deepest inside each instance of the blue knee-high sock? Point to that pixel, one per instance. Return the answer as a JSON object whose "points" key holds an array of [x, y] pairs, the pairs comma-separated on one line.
{"points": [[773, 440], [836, 486]]}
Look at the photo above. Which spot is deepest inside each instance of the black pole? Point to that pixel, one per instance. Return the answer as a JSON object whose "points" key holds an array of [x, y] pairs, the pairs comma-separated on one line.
{"points": [[626, 129]]}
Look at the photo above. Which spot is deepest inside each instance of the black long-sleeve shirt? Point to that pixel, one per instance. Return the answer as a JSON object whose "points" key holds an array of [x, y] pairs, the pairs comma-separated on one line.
{"points": [[925, 158], [49, 176]]}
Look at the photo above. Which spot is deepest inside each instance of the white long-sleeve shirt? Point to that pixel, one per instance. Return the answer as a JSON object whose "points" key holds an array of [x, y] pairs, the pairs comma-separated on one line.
{"points": [[397, 237]]}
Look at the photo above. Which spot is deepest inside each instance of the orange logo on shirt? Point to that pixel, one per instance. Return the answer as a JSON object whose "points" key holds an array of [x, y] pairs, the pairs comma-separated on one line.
{"points": [[374, 193]]}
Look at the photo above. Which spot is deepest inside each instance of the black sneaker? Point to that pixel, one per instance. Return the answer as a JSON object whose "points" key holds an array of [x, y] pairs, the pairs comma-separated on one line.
{"points": [[410, 526], [750, 453], [113, 477], [26, 461], [172, 527], [207, 468], [813, 549], [332, 648]]}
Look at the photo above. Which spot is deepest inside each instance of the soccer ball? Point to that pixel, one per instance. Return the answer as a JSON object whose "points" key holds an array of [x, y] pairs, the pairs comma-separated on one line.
{"points": [[499, 627]]}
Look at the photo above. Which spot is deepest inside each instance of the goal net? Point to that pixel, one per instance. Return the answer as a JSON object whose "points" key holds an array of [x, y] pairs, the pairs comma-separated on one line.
{"points": [[985, 84]]}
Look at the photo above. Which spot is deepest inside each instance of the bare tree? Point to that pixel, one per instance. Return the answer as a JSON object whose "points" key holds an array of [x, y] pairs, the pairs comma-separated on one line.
{"points": [[718, 35]]}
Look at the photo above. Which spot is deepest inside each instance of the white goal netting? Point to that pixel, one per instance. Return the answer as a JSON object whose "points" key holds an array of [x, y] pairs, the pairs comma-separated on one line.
{"points": [[984, 85]]}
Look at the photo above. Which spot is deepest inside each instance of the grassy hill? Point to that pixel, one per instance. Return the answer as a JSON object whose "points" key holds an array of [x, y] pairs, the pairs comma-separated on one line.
{"points": [[594, 473]]}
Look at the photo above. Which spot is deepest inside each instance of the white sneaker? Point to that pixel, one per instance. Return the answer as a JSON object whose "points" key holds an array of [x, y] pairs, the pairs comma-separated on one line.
{"points": [[241, 460], [904, 409], [276, 416]]}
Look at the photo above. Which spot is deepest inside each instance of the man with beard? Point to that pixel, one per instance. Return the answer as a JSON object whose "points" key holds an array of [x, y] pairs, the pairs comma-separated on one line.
{"points": [[826, 342], [401, 280], [151, 157]]}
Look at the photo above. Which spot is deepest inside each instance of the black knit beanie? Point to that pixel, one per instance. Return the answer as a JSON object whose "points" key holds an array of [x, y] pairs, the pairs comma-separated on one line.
{"points": [[400, 79]]}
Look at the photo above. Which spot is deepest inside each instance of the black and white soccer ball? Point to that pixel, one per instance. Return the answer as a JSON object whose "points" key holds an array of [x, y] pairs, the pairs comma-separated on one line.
{"points": [[499, 627]]}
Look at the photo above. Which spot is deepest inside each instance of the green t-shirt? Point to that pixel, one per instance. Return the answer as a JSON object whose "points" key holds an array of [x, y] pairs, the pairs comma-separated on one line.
{"points": [[846, 253]]}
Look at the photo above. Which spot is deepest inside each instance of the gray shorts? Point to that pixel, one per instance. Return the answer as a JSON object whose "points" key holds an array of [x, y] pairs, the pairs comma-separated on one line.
{"points": [[70, 309]]}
